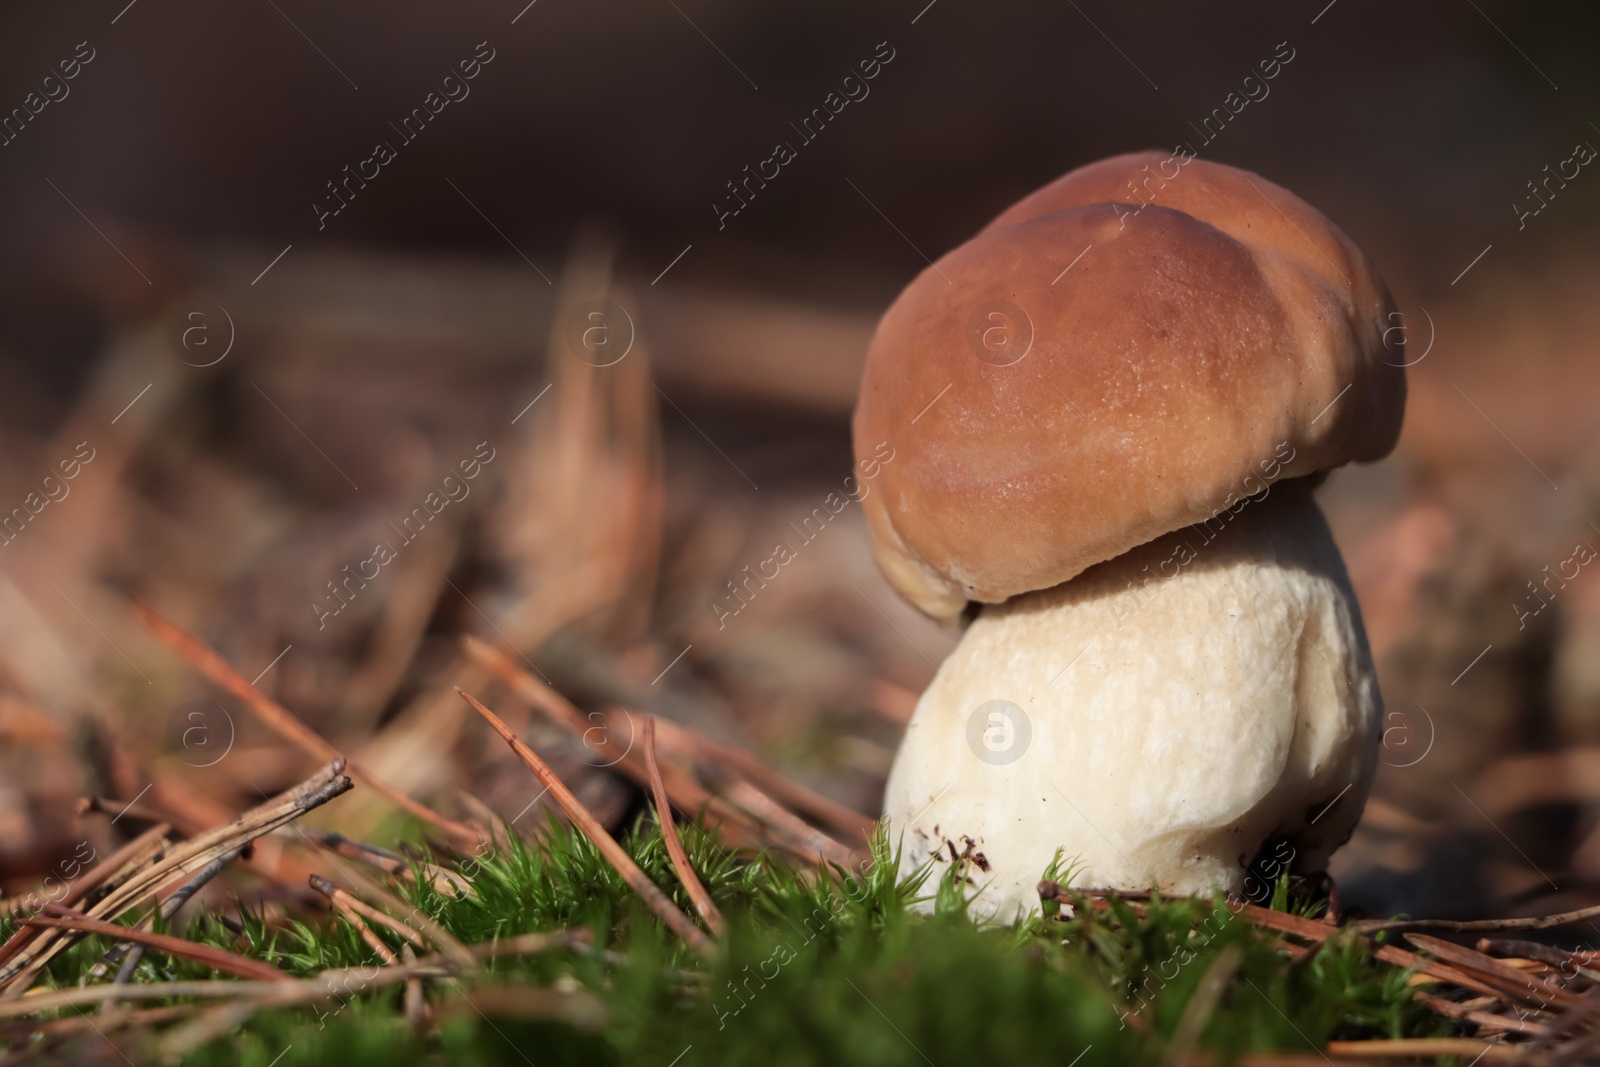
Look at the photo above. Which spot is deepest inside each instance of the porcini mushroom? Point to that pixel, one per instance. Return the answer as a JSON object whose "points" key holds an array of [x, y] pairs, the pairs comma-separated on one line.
{"points": [[1109, 409]]}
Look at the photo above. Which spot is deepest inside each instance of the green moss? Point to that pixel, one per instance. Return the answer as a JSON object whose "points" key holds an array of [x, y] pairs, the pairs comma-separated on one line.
{"points": [[813, 970]]}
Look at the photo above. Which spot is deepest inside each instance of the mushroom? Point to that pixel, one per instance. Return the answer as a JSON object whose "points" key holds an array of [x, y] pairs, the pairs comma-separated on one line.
{"points": [[1109, 409]]}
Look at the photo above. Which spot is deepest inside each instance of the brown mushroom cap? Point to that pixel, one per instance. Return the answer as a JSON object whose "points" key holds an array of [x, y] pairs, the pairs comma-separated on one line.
{"points": [[1217, 334]]}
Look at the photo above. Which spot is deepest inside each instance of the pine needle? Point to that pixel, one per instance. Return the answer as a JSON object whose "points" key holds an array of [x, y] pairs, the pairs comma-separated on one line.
{"points": [[669, 832], [654, 898], [281, 719]]}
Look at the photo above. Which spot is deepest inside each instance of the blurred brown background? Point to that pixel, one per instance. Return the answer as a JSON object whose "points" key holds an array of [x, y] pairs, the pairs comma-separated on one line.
{"points": [[175, 176]]}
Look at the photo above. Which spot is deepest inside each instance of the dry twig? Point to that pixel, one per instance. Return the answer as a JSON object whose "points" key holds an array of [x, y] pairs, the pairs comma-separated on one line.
{"points": [[1419, 1047], [180, 861], [1487, 1022], [669, 833], [658, 902], [281, 719], [348, 902], [125, 861], [446, 882], [1543, 922], [61, 918], [686, 792], [789, 830], [1496, 971]]}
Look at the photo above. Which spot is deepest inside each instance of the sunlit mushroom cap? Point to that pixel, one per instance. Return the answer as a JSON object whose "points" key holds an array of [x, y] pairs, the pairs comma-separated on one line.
{"points": [[1132, 348]]}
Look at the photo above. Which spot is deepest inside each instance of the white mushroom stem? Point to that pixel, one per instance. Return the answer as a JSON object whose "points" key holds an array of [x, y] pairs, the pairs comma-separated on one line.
{"points": [[1181, 707]]}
